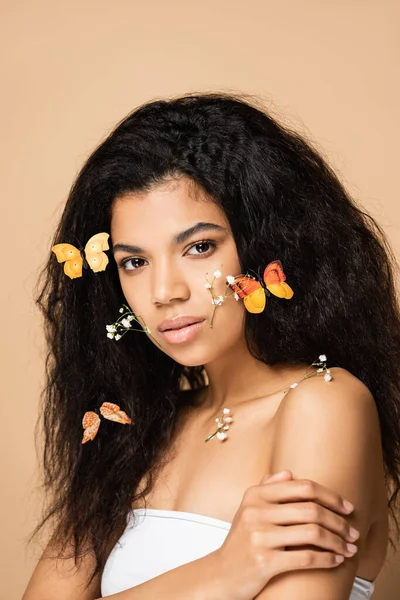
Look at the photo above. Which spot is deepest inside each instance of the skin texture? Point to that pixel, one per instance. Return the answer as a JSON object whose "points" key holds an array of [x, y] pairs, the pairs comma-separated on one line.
{"points": [[323, 432]]}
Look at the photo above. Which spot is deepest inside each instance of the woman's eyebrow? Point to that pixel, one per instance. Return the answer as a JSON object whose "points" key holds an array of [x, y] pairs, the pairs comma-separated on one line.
{"points": [[179, 238]]}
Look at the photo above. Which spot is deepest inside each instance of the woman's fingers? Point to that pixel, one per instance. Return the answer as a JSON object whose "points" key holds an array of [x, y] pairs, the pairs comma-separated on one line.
{"points": [[309, 512], [304, 535], [284, 524], [291, 560], [303, 489]]}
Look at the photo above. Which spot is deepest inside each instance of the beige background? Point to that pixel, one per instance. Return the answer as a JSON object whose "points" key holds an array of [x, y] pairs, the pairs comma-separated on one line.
{"points": [[70, 70]]}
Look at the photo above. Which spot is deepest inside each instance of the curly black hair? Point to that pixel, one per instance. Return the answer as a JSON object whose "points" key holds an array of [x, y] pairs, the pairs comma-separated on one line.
{"points": [[281, 198]]}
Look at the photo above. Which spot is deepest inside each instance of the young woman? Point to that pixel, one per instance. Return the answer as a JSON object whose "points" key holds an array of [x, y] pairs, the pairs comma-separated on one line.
{"points": [[218, 311]]}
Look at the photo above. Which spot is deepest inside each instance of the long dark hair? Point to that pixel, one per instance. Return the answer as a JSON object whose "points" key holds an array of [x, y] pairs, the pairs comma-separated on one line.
{"points": [[281, 199]]}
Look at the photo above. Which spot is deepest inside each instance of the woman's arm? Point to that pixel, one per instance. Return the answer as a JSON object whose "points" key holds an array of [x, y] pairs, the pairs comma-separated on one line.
{"points": [[329, 432], [60, 580], [199, 579]]}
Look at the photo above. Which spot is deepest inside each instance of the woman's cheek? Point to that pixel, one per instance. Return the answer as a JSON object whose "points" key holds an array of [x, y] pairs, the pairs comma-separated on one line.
{"points": [[131, 298]]}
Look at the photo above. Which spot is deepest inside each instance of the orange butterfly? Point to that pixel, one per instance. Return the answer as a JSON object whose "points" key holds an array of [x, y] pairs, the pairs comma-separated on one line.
{"points": [[74, 259], [91, 420], [254, 292]]}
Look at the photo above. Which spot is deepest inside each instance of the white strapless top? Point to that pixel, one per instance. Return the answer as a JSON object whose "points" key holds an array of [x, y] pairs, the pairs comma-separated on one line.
{"points": [[162, 540]]}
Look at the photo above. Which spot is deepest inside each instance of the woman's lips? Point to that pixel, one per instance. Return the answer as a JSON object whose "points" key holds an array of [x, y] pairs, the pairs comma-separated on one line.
{"points": [[184, 334]]}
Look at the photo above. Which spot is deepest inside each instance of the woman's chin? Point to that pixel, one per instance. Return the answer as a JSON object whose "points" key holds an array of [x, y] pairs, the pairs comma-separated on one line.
{"points": [[189, 363], [192, 359]]}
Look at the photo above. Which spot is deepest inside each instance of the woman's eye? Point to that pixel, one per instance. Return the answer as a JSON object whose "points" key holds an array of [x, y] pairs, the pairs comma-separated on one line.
{"points": [[205, 245], [126, 264]]}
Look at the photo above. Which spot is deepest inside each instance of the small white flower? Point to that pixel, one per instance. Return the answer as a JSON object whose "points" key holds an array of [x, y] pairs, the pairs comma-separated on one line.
{"points": [[111, 328], [130, 317], [226, 411], [121, 309], [230, 279], [322, 357], [236, 296], [208, 286], [217, 273], [327, 377], [126, 323], [117, 337], [110, 335], [221, 435]]}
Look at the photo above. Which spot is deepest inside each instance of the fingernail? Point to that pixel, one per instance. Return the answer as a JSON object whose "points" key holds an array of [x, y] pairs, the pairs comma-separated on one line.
{"points": [[351, 548], [339, 558], [353, 533], [348, 505]]}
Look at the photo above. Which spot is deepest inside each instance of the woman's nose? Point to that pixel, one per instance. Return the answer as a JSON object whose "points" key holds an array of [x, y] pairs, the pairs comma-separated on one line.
{"points": [[168, 284]]}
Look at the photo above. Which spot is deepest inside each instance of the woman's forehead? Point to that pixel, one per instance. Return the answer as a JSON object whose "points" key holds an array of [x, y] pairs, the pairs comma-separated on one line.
{"points": [[169, 208]]}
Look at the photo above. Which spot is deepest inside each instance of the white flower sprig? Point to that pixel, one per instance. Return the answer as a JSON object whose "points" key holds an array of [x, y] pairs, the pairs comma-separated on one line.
{"points": [[321, 364], [218, 300], [116, 330], [222, 426], [322, 367]]}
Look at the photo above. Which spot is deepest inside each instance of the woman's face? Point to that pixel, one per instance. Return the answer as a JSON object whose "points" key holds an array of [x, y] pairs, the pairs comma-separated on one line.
{"points": [[163, 277]]}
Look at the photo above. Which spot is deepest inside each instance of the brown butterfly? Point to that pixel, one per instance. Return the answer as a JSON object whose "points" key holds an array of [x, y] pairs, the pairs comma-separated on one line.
{"points": [[91, 420], [93, 255]]}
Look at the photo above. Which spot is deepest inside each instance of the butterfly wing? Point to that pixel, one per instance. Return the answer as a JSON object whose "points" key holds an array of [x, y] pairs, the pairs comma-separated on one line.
{"points": [[112, 412], [251, 291], [72, 257], [274, 279], [96, 258], [91, 424], [255, 303]]}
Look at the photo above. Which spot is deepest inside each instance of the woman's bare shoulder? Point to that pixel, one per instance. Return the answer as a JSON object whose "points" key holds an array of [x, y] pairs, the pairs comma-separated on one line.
{"points": [[329, 431], [343, 391]]}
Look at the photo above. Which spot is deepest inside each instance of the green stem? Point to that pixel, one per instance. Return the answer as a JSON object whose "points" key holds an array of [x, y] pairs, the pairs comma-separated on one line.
{"points": [[125, 329], [212, 318]]}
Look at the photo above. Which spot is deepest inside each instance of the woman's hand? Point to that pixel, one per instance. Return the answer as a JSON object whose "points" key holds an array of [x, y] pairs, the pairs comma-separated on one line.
{"points": [[282, 512]]}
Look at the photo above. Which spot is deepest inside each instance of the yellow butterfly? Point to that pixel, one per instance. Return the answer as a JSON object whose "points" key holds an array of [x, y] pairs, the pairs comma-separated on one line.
{"points": [[75, 259], [254, 292]]}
